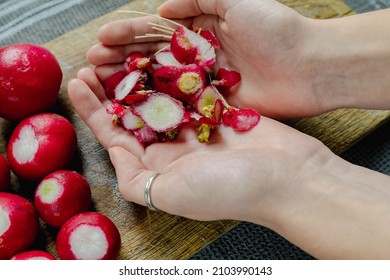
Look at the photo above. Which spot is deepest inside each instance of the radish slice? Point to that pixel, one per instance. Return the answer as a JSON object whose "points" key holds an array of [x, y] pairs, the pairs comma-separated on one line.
{"points": [[226, 78], [136, 97], [115, 109], [145, 134], [244, 119], [218, 110], [206, 101], [111, 83], [161, 112], [137, 61], [131, 121], [126, 85], [210, 37], [189, 47], [166, 58]]}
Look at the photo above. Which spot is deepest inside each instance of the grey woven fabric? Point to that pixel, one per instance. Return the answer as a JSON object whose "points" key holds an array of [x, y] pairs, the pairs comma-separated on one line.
{"points": [[361, 6], [39, 21]]}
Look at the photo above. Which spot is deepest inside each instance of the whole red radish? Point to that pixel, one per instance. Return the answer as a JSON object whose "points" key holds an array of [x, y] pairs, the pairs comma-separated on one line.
{"points": [[61, 195], [41, 144], [33, 255], [29, 82], [5, 174], [88, 236], [19, 224]]}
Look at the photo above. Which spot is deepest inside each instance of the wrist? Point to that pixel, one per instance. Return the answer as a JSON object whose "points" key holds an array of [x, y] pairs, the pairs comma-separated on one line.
{"points": [[351, 62], [292, 186], [335, 210]]}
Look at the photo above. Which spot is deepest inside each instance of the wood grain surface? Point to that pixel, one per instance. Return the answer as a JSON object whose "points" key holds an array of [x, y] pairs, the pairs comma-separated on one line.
{"points": [[156, 235]]}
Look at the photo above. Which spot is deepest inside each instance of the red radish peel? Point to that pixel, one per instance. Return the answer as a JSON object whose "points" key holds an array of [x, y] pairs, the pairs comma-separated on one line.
{"points": [[19, 224], [5, 174], [153, 100], [33, 255]]}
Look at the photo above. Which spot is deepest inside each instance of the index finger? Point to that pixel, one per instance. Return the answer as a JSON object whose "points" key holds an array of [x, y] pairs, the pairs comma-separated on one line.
{"points": [[126, 31], [190, 8]]}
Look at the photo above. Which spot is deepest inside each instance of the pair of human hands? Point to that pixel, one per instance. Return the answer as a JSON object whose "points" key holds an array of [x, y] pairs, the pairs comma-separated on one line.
{"points": [[242, 176]]}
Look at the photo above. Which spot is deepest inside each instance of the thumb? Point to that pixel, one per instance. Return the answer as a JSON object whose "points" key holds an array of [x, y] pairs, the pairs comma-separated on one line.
{"points": [[115, 156], [130, 174]]}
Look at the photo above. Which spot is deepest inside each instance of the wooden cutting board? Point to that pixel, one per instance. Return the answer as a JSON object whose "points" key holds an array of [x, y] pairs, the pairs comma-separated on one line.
{"points": [[155, 235]]}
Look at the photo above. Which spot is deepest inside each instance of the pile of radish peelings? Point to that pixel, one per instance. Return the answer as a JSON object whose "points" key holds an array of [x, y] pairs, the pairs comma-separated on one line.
{"points": [[153, 97]]}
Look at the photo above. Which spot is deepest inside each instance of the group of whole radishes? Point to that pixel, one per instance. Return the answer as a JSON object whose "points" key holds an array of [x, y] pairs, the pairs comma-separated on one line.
{"points": [[39, 151], [153, 96]]}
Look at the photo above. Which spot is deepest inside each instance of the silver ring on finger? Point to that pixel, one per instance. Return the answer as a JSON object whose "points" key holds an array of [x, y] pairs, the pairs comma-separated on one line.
{"points": [[148, 189]]}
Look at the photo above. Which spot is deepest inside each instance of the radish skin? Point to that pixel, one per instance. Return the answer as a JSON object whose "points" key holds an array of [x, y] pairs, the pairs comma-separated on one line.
{"points": [[36, 255], [5, 174], [19, 224]]}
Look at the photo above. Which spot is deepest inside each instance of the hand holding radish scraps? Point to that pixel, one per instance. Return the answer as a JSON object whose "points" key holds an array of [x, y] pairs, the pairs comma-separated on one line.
{"points": [[152, 97]]}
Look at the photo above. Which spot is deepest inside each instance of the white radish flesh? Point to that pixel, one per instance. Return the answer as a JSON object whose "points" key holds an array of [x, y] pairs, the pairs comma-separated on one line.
{"points": [[161, 112]]}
